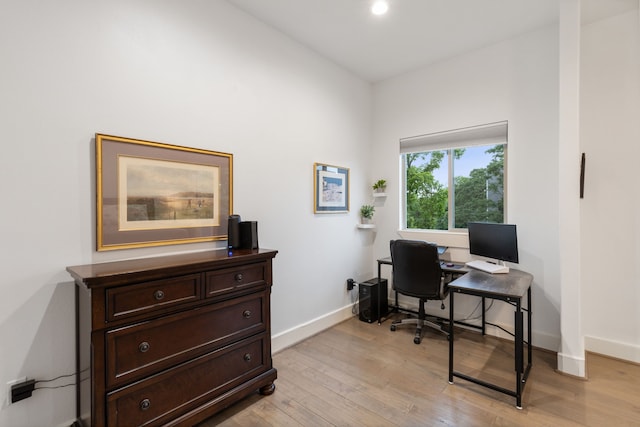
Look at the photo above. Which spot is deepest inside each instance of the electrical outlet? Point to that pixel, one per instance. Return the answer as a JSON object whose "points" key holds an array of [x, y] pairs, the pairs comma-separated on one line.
{"points": [[350, 284], [22, 390], [9, 384]]}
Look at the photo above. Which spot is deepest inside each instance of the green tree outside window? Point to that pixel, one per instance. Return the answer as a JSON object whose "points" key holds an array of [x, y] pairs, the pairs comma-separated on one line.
{"points": [[476, 197]]}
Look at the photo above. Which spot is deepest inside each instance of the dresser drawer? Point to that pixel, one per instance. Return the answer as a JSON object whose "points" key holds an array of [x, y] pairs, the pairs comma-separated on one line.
{"points": [[176, 391], [145, 348], [132, 300], [233, 279]]}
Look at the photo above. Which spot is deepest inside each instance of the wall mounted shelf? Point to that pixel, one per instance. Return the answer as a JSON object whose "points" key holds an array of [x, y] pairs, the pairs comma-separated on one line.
{"points": [[370, 226]]}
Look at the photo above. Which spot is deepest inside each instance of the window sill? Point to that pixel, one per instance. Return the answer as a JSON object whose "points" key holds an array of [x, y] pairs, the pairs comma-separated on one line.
{"points": [[452, 239]]}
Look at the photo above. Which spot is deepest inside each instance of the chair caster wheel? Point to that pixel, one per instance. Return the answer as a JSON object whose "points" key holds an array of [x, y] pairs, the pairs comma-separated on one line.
{"points": [[393, 328], [416, 340]]}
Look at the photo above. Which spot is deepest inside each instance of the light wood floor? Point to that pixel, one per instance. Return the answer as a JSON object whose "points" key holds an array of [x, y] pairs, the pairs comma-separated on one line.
{"points": [[360, 374]]}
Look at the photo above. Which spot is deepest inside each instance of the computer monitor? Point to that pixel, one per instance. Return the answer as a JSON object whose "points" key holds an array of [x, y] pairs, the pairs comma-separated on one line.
{"points": [[492, 240]]}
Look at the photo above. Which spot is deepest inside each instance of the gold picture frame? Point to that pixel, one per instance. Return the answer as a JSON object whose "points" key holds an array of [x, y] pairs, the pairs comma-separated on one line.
{"points": [[154, 194]]}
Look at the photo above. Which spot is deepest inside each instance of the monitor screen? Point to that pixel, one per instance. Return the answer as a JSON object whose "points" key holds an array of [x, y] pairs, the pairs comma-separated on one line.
{"points": [[495, 241]]}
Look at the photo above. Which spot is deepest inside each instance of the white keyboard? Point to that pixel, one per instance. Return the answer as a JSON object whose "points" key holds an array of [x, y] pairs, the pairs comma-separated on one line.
{"points": [[488, 267]]}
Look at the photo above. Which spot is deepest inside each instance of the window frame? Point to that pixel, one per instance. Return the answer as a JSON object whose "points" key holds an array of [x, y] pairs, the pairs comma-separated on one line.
{"points": [[490, 134]]}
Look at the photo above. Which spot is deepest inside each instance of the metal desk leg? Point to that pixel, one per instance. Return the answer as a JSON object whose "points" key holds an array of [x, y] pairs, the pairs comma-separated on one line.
{"points": [[529, 341], [519, 336], [451, 337], [378, 287], [484, 323]]}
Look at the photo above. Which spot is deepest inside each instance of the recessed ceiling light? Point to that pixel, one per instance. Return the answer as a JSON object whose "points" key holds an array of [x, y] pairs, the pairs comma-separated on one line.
{"points": [[380, 7]]}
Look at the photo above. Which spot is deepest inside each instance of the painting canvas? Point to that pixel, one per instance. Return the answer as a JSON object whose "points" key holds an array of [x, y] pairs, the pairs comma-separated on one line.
{"points": [[331, 188], [161, 194]]}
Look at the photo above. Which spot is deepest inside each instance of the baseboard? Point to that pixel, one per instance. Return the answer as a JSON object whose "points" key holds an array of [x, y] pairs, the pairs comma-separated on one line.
{"points": [[616, 349], [301, 332], [567, 364], [572, 365], [539, 340]]}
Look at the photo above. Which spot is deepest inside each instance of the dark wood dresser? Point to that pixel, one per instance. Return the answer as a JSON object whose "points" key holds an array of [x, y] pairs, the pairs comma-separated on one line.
{"points": [[174, 339]]}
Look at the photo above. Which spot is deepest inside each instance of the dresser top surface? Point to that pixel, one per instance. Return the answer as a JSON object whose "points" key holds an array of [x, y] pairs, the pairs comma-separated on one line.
{"points": [[101, 273]]}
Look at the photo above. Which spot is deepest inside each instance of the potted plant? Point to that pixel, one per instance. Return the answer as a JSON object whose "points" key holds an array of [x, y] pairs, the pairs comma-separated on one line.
{"points": [[380, 185], [366, 213]]}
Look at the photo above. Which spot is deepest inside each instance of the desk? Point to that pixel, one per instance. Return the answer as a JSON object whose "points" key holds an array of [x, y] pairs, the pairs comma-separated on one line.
{"points": [[511, 288]]}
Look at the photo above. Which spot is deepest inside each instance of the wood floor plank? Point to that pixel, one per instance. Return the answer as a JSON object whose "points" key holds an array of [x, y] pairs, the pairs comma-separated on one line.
{"points": [[361, 374]]}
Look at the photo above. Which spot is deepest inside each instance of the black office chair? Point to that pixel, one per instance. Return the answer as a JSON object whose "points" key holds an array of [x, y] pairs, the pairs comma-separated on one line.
{"points": [[417, 273]]}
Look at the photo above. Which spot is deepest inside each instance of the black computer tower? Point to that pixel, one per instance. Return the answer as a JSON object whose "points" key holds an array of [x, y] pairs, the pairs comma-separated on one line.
{"points": [[372, 300]]}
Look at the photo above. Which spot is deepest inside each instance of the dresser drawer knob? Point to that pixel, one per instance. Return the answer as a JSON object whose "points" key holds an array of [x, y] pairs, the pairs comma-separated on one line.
{"points": [[246, 314], [238, 277], [145, 404], [247, 357], [158, 295], [144, 347]]}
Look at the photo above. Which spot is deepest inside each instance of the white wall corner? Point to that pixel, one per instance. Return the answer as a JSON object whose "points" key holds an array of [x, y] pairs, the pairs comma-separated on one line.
{"points": [[301, 332], [571, 365]]}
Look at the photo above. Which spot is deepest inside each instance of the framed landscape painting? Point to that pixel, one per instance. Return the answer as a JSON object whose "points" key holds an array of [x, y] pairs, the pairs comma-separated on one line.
{"points": [[331, 188], [152, 194]]}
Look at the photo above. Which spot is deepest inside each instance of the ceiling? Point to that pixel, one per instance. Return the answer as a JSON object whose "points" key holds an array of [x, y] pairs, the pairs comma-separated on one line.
{"points": [[414, 33]]}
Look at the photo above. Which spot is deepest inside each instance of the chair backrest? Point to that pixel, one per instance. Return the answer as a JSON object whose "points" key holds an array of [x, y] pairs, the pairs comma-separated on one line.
{"points": [[416, 268]]}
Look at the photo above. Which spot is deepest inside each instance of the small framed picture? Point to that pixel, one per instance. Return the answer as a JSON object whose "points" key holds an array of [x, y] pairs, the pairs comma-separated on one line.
{"points": [[331, 188], [152, 194]]}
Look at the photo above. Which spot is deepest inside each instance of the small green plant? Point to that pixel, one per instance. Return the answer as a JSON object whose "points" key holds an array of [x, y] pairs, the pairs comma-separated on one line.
{"points": [[366, 211], [380, 184]]}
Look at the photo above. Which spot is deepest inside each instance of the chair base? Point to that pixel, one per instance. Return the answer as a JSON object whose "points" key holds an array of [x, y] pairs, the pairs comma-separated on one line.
{"points": [[420, 323]]}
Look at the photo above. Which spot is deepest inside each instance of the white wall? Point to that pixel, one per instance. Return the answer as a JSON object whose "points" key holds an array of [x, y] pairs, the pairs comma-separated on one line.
{"points": [[610, 107], [515, 80], [202, 75]]}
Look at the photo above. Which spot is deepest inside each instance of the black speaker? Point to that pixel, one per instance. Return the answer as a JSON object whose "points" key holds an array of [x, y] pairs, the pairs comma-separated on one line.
{"points": [[249, 234], [233, 232], [372, 300]]}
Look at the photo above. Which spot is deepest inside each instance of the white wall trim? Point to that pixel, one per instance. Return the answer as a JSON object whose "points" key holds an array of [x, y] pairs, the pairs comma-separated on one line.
{"points": [[305, 330], [617, 349], [571, 365], [538, 339]]}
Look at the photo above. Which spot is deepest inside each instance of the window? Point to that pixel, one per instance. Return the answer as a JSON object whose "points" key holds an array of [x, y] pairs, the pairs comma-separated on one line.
{"points": [[452, 178]]}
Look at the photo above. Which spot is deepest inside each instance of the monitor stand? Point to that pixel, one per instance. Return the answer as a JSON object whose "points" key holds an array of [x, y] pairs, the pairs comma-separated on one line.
{"points": [[488, 267]]}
